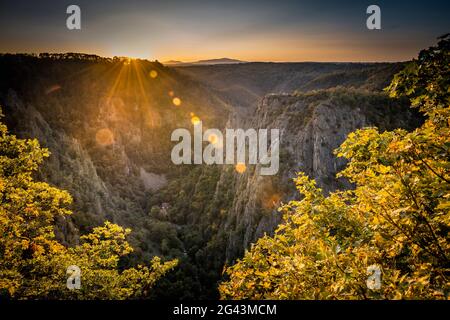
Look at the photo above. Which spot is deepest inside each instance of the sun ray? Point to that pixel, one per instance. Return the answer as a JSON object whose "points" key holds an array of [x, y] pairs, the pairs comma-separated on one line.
{"points": [[139, 72], [116, 82]]}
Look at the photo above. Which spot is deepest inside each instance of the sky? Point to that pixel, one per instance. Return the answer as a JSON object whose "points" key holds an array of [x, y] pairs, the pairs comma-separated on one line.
{"points": [[189, 30]]}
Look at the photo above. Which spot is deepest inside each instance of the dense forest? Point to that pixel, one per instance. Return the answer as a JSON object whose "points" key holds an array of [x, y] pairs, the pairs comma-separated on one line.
{"points": [[395, 219], [141, 227]]}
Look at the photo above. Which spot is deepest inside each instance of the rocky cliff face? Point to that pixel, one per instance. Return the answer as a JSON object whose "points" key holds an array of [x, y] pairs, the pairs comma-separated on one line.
{"points": [[244, 85], [108, 126], [311, 126]]}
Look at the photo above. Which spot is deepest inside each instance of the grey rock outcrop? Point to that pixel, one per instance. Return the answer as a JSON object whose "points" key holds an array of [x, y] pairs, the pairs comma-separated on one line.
{"points": [[311, 126]]}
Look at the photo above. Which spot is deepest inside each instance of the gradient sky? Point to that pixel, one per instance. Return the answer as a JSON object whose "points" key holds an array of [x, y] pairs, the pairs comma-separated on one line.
{"points": [[300, 30]]}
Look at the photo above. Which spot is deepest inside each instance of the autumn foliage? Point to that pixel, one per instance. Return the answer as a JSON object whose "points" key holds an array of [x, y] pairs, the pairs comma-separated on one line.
{"points": [[395, 220], [33, 263]]}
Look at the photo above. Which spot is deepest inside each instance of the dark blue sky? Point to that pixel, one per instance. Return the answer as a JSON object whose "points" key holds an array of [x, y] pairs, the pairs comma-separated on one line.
{"points": [[320, 30]]}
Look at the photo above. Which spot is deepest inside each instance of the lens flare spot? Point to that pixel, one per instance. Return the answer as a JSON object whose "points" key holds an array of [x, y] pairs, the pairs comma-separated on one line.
{"points": [[213, 138], [240, 167], [176, 101], [104, 137], [171, 93], [53, 88], [195, 120], [271, 201], [153, 74]]}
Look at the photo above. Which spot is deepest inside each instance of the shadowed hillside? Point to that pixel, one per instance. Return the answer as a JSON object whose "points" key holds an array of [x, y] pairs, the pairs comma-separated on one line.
{"points": [[107, 123], [243, 85]]}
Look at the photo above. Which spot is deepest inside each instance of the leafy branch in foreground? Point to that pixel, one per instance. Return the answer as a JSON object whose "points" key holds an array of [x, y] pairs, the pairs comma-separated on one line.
{"points": [[397, 217], [33, 263]]}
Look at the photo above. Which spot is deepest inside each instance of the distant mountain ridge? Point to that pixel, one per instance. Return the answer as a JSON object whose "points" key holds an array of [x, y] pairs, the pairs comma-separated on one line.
{"points": [[243, 85], [203, 62]]}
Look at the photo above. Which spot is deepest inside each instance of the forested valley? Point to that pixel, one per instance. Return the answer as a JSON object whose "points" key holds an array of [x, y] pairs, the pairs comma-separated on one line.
{"points": [[86, 179]]}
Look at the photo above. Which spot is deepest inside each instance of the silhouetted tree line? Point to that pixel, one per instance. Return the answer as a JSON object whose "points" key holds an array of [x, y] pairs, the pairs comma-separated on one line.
{"points": [[71, 56]]}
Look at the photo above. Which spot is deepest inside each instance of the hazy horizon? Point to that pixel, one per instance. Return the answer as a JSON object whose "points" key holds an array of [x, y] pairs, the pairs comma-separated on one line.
{"points": [[286, 31], [175, 62]]}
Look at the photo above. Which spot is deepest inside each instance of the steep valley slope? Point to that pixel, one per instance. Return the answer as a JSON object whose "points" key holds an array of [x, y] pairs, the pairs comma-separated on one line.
{"points": [[107, 124]]}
